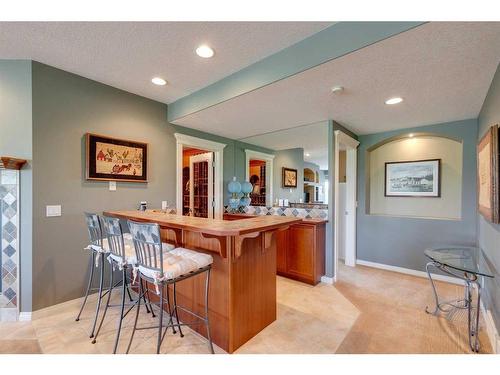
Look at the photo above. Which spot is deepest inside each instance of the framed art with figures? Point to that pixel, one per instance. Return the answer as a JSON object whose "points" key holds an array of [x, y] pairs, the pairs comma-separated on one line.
{"points": [[112, 159]]}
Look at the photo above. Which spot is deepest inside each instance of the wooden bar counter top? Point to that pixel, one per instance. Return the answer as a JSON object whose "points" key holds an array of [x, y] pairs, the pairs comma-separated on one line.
{"points": [[242, 297]]}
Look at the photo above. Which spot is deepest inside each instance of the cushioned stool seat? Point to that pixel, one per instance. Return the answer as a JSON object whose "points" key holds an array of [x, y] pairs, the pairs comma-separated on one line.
{"points": [[130, 257], [178, 262]]}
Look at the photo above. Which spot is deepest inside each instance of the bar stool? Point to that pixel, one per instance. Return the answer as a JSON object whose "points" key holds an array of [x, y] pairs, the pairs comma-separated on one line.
{"points": [[121, 256], [164, 270], [96, 249]]}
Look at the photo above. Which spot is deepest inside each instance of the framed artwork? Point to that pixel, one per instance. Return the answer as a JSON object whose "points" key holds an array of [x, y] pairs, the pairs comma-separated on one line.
{"points": [[111, 159], [487, 176], [419, 178], [289, 177]]}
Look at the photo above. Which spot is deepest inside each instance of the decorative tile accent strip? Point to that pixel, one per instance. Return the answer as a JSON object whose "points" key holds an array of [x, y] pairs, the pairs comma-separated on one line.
{"points": [[309, 213], [9, 238]]}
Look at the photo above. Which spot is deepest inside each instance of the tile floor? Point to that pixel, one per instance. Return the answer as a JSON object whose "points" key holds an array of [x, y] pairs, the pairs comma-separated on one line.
{"points": [[367, 311]]}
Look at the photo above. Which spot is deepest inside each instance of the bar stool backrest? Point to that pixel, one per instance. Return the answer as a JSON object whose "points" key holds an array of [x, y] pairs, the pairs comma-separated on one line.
{"points": [[94, 228], [147, 243], [113, 231]]}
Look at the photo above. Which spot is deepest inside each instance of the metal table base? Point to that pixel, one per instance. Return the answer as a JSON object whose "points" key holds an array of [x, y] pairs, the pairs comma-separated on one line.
{"points": [[470, 280]]}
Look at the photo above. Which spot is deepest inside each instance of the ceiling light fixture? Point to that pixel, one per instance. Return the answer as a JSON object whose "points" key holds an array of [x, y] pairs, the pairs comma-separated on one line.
{"points": [[159, 81], [337, 90], [395, 100], [410, 135], [307, 154], [205, 51]]}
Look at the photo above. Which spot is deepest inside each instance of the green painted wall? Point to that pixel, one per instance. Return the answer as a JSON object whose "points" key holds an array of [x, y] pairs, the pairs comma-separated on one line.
{"points": [[489, 234]]}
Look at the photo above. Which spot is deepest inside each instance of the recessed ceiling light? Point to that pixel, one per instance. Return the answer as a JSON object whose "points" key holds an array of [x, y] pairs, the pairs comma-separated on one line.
{"points": [[337, 90], [308, 154], [205, 51], [395, 100], [159, 81]]}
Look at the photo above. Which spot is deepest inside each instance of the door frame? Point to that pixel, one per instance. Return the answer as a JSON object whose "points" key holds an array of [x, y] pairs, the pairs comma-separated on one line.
{"points": [[351, 199], [217, 148], [269, 159], [208, 157]]}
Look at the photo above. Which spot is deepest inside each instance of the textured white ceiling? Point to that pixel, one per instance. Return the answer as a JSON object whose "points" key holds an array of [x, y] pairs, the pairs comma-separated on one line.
{"points": [[127, 55], [313, 138], [442, 70]]}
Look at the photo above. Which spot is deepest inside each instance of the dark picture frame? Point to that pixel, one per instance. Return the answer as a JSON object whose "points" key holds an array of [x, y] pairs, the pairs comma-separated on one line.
{"points": [[289, 177], [128, 163], [408, 180], [488, 175]]}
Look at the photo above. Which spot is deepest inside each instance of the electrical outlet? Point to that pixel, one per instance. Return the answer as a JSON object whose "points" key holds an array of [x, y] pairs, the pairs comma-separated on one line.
{"points": [[112, 185], [52, 211]]}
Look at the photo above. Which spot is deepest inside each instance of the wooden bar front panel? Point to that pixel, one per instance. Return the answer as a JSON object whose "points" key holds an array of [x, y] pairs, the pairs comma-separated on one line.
{"points": [[242, 294]]}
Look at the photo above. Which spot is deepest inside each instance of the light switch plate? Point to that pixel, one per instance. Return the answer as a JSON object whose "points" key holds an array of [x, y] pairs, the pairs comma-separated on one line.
{"points": [[52, 211], [164, 205], [112, 185]]}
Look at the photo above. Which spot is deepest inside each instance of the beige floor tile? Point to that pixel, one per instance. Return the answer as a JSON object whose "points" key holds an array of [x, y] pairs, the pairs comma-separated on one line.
{"points": [[367, 311]]}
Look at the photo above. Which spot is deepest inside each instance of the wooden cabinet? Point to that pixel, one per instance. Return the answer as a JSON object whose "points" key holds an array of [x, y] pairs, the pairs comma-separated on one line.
{"points": [[301, 251]]}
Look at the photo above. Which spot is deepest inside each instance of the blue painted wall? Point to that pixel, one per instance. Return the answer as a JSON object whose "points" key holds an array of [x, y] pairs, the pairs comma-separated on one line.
{"points": [[489, 234], [400, 241]]}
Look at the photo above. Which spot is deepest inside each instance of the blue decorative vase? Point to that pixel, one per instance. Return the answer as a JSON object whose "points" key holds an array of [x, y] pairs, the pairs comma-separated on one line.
{"points": [[234, 187], [246, 189]]}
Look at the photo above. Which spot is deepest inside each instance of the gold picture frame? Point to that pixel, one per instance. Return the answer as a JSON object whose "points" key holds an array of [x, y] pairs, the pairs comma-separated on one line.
{"points": [[487, 175]]}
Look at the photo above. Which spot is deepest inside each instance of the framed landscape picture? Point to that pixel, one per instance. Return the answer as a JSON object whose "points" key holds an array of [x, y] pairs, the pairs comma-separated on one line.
{"points": [[487, 175], [420, 178], [289, 177], [112, 159]]}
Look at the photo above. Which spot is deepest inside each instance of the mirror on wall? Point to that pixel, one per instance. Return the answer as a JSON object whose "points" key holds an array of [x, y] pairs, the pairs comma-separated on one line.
{"points": [[291, 167]]}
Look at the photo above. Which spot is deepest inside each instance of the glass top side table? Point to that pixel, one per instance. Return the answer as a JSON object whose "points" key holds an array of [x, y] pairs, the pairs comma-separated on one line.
{"points": [[470, 265]]}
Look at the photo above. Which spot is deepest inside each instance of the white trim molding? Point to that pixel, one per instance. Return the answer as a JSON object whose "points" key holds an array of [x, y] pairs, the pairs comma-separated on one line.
{"points": [[269, 159], [204, 144], [408, 271], [327, 280], [24, 316], [351, 181]]}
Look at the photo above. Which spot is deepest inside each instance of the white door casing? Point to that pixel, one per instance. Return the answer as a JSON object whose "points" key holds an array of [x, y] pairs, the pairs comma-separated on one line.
{"points": [[269, 159], [218, 150], [350, 220]]}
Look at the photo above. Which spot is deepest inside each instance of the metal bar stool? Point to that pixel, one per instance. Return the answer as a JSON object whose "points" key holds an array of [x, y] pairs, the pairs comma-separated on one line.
{"points": [[96, 259], [122, 256], [164, 270], [98, 247]]}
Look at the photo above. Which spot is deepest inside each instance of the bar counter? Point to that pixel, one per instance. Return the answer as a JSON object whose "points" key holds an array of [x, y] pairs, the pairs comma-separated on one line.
{"points": [[242, 297]]}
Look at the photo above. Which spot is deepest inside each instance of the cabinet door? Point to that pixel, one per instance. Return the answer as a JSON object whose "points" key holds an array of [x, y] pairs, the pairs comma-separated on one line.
{"points": [[281, 250], [300, 254]]}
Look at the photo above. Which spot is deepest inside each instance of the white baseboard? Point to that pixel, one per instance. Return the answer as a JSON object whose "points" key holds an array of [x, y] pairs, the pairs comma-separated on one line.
{"points": [[24, 316], [327, 280], [408, 271], [491, 330]]}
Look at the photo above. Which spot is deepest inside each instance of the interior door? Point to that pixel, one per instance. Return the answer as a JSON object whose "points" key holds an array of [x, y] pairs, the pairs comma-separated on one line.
{"points": [[201, 186]]}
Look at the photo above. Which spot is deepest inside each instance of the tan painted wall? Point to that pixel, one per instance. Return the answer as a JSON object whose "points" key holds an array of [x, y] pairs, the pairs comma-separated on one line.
{"points": [[448, 206]]}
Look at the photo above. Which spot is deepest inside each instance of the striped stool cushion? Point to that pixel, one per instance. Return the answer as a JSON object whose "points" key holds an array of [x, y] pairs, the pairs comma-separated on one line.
{"points": [[178, 262]]}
